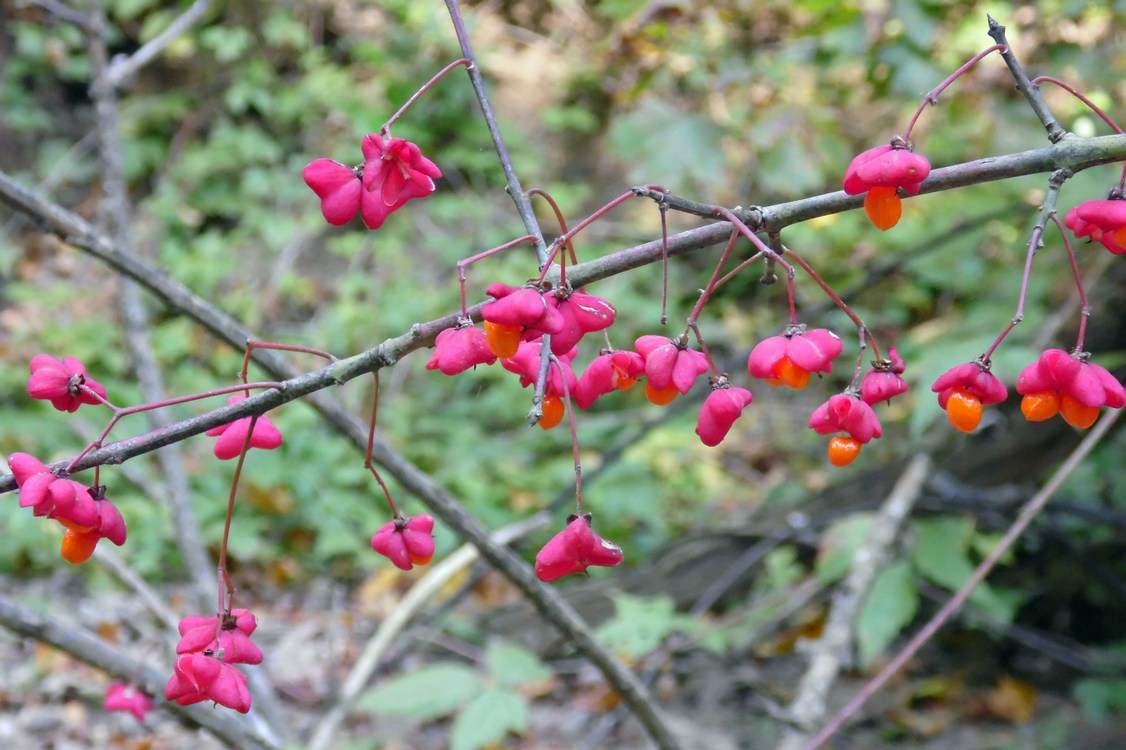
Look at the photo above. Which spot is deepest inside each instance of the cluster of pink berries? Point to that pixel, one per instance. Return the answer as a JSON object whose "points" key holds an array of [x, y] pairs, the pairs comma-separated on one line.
{"points": [[208, 648], [1058, 382], [84, 511], [393, 172]]}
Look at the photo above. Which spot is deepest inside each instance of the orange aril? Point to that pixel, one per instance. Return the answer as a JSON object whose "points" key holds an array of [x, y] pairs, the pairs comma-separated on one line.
{"points": [[69, 524], [963, 409], [1076, 414], [77, 547], [620, 379], [1037, 407], [552, 412], [787, 373], [660, 396], [883, 206], [843, 450], [502, 340], [419, 559]]}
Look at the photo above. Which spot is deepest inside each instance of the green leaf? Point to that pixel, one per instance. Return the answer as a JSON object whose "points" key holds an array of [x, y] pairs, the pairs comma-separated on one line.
{"points": [[781, 568], [639, 624], [662, 144], [940, 550], [1100, 697], [941, 555], [838, 545], [427, 693], [891, 605], [510, 664], [488, 719], [620, 10]]}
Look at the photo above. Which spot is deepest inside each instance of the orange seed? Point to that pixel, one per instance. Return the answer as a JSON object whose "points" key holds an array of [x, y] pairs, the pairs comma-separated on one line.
{"points": [[883, 206], [843, 450], [502, 340], [963, 409], [1076, 414]]}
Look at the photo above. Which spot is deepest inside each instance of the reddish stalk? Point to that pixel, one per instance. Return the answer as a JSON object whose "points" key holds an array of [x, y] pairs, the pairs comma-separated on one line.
{"points": [[224, 577], [706, 293], [772, 254], [1018, 316], [120, 413], [703, 348], [1093, 107], [1047, 209], [1084, 305], [466, 262], [933, 94], [1074, 92], [738, 269], [386, 129], [713, 282], [574, 436], [558, 218], [567, 236], [840, 303], [252, 344], [368, 464]]}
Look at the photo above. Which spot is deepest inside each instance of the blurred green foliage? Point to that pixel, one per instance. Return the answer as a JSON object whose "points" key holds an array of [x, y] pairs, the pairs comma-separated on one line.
{"points": [[737, 101], [486, 704]]}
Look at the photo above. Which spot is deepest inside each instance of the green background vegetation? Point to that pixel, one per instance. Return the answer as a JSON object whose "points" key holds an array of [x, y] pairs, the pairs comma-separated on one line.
{"points": [[734, 102]]}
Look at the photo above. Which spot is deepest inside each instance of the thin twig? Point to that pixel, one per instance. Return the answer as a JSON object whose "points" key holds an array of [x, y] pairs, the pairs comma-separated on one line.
{"points": [[513, 188], [121, 71], [1031, 92], [1031, 509], [138, 336], [831, 651], [60, 10]]}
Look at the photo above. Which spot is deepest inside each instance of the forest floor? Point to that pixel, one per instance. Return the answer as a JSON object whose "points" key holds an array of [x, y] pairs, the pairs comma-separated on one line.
{"points": [[967, 690]]}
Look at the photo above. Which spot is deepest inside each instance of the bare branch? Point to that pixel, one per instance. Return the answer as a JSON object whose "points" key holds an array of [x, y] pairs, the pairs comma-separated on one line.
{"points": [[122, 70], [1071, 153], [1030, 90], [831, 651]]}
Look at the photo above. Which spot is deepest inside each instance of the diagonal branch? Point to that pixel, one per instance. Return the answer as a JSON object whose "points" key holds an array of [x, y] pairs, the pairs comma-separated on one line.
{"points": [[120, 664], [118, 215], [1072, 153], [1031, 91], [121, 71]]}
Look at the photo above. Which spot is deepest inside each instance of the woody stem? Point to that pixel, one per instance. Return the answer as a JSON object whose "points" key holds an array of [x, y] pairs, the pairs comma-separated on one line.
{"points": [[224, 576]]}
